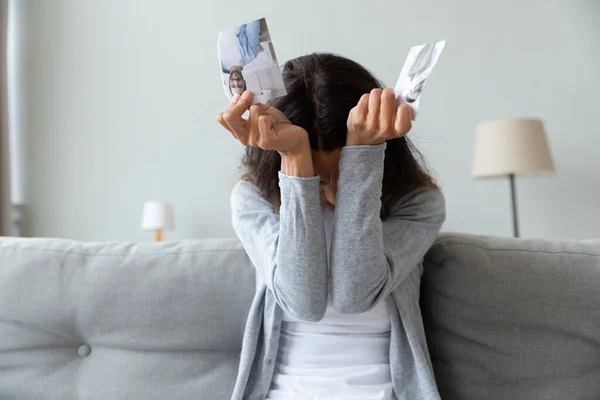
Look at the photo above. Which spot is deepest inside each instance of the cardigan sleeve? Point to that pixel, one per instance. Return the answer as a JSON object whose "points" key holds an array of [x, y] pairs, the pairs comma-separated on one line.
{"points": [[287, 249], [369, 257]]}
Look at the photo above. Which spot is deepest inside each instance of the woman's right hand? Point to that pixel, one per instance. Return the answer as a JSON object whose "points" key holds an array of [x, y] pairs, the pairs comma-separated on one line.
{"points": [[269, 129], [266, 127]]}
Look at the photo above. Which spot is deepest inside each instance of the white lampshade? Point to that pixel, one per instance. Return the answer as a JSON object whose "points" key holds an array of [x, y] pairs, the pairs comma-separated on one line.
{"points": [[511, 146], [158, 216]]}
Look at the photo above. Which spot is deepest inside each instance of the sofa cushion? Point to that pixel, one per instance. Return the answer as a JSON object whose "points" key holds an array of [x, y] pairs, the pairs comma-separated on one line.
{"points": [[121, 321], [513, 319]]}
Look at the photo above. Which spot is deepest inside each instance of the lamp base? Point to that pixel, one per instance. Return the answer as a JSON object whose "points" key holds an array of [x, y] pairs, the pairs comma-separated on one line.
{"points": [[513, 197], [158, 236]]}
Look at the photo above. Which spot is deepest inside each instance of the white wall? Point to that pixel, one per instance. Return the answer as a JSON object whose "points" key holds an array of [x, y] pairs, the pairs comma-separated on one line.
{"points": [[119, 102]]}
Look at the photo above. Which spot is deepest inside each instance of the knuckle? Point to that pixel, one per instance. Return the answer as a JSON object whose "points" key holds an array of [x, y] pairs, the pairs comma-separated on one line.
{"points": [[254, 108], [227, 115], [352, 114]]}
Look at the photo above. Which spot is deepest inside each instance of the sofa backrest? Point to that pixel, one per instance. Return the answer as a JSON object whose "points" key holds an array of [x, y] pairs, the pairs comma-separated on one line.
{"points": [[121, 321], [505, 319], [513, 319]]}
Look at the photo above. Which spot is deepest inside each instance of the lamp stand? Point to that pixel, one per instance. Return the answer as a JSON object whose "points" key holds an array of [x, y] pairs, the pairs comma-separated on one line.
{"points": [[513, 196], [158, 235]]}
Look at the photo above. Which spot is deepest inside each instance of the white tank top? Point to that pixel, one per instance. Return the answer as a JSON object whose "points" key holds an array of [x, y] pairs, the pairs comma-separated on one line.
{"points": [[343, 356]]}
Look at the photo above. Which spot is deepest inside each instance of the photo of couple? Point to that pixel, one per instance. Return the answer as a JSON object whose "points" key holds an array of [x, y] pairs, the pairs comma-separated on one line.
{"points": [[248, 62]]}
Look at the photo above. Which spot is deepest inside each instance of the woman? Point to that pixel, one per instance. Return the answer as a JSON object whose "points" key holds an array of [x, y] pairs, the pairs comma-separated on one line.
{"points": [[336, 214]]}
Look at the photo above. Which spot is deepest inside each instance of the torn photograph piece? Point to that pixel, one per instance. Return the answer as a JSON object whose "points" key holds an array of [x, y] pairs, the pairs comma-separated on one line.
{"points": [[417, 68], [248, 62]]}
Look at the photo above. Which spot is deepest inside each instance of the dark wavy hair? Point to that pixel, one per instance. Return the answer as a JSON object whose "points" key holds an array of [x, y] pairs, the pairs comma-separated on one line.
{"points": [[322, 89]]}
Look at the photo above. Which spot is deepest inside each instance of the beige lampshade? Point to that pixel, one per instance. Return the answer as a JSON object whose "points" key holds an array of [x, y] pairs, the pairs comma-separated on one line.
{"points": [[511, 146], [158, 216]]}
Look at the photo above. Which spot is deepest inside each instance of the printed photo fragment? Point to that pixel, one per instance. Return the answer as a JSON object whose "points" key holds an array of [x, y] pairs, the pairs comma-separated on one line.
{"points": [[248, 62], [415, 72]]}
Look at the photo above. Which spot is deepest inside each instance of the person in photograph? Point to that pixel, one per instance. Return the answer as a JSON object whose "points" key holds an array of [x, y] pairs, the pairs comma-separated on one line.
{"points": [[336, 211], [237, 84]]}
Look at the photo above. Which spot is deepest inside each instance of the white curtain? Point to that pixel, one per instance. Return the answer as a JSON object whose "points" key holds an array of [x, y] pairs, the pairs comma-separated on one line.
{"points": [[5, 199]]}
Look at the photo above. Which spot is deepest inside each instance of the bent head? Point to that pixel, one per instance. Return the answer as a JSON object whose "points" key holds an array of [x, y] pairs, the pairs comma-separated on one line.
{"points": [[322, 89]]}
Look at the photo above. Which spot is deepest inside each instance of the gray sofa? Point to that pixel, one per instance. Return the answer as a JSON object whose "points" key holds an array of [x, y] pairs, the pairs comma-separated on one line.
{"points": [[505, 319]]}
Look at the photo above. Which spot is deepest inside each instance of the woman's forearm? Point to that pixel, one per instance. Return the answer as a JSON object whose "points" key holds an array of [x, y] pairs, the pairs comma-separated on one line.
{"points": [[357, 260], [287, 248], [301, 256], [369, 257]]}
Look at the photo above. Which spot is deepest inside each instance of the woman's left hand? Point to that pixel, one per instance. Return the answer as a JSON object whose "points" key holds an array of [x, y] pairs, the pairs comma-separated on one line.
{"points": [[376, 119]]}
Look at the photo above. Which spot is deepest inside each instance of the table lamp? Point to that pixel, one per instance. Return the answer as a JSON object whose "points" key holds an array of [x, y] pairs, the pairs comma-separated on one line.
{"points": [[511, 147], [158, 217]]}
